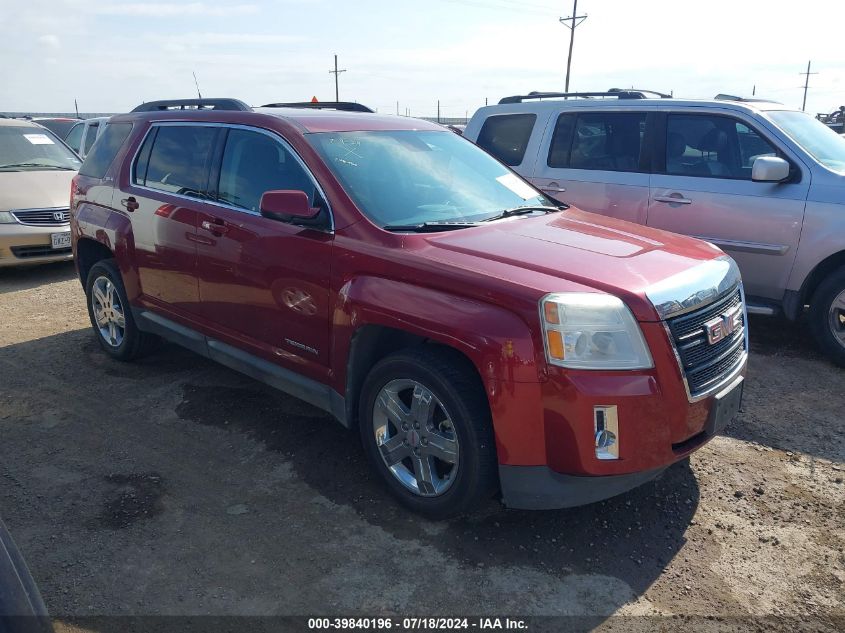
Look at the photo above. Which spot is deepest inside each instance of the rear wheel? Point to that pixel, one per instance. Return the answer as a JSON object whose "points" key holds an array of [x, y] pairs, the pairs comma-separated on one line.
{"points": [[827, 316], [111, 318], [425, 424]]}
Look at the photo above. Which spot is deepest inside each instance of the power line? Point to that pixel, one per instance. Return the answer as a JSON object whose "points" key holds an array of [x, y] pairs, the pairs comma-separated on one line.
{"points": [[574, 21], [336, 72]]}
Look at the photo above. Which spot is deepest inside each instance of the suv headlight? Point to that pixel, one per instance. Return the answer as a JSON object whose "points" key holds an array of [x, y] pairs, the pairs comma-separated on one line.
{"points": [[585, 330], [6, 217]]}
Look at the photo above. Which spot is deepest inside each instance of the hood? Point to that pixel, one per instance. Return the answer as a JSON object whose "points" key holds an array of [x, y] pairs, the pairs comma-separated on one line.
{"points": [[35, 189], [576, 250]]}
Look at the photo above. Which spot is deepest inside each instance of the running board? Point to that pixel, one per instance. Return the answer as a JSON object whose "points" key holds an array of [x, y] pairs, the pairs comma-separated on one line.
{"points": [[306, 389]]}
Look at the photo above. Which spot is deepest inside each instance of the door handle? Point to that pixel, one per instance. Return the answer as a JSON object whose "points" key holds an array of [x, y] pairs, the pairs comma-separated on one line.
{"points": [[130, 203], [215, 226], [553, 187], [673, 198]]}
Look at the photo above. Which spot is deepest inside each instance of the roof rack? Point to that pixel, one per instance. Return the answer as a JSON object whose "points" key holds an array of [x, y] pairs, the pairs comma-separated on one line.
{"points": [[346, 106], [727, 97], [192, 104], [633, 93]]}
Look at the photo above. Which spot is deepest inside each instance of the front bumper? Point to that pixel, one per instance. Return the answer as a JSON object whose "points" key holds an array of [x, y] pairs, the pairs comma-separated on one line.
{"points": [[541, 488], [22, 245], [546, 437]]}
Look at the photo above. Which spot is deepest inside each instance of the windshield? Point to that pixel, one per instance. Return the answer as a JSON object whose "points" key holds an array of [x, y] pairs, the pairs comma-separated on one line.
{"points": [[822, 143], [411, 177], [29, 148]]}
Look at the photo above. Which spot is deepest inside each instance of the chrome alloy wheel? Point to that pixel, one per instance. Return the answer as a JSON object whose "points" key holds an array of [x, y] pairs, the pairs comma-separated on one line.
{"points": [[416, 437], [108, 312], [836, 318]]}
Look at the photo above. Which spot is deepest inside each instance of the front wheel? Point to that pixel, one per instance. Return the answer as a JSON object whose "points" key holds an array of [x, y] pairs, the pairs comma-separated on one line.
{"points": [[827, 316], [425, 425]]}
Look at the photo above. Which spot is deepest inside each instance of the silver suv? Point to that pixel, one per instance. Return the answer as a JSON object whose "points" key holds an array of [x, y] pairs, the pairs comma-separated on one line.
{"points": [[761, 181]]}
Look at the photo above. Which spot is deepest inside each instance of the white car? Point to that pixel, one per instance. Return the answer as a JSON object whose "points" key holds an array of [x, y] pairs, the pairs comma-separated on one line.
{"points": [[82, 135]]}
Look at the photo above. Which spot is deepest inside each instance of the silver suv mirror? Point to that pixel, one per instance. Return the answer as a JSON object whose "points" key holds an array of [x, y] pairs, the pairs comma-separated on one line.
{"points": [[769, 169]]}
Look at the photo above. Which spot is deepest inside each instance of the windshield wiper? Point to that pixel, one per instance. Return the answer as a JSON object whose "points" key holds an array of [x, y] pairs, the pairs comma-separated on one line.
{"points": [[509, 213], [429, 227], [36, 165]]}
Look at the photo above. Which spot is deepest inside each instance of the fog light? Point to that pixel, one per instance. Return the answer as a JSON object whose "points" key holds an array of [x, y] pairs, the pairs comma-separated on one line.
{"points": [[606, 432]]}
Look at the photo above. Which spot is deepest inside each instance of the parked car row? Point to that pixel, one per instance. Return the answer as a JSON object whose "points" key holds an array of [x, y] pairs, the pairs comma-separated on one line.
{"points": [[763, 182], [479, 332]]}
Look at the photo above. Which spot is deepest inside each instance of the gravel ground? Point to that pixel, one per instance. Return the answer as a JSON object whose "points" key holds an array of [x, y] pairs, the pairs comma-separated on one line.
{"points": [[174, 486]]}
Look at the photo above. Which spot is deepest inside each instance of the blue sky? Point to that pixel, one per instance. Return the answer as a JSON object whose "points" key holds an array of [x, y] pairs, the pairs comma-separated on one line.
{"points": [[111, 54]]}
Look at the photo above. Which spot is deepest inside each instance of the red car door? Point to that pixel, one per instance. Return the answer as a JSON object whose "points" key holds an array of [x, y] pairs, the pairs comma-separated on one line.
{"points": [[263, 283], [165, 192]]}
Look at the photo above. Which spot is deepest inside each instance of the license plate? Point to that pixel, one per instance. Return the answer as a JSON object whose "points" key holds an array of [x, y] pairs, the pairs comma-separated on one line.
{"points": [[60, 240], [726, 405]]}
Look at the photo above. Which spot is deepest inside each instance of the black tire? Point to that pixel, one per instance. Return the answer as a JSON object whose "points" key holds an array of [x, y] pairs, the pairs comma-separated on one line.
{"points": [[820, 317], [134, 343], [450, 377]]}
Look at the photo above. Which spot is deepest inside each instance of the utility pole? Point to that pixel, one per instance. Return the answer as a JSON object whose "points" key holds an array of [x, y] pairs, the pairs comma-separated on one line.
{"points": [[571, 23], [806, 84], [438, 110], [336, 72]]}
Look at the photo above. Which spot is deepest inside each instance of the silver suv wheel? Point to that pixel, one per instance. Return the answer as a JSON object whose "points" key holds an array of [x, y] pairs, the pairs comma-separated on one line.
{"points": [[415, 437], [108, 312]]}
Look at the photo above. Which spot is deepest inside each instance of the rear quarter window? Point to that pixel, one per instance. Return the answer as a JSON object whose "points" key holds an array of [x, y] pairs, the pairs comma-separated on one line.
{"points": [[102, 155], [505, 136]]}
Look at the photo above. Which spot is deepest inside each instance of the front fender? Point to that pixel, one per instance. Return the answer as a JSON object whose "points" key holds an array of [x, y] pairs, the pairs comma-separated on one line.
{"points": [[499, 343]]}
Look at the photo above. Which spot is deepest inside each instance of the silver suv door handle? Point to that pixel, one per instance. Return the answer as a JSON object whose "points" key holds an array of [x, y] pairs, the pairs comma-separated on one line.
{"points": [[553, 189], [674, 198]]}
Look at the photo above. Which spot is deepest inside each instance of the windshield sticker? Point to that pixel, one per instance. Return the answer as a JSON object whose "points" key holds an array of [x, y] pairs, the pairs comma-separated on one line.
{"points": [[516, 185], [39, 139]]}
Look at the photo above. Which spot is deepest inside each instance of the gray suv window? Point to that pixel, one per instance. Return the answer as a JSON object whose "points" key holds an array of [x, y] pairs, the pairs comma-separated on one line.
{"points": [[609, 141], [505, 136], [606, 141], [176, 159], [712, 146], [74, 137]]}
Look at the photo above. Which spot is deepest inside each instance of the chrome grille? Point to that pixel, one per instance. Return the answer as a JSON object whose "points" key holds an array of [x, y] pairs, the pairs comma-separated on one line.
{"points": [[42, 217], [705, 365]]}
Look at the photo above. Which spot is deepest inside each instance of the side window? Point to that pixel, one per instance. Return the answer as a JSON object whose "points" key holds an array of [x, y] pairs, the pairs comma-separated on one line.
{"points": [[100, 159], [254, 163], [751, 146], [74, 137], [178, 159], [608, 141], [561, 141], [90, 137], [505, 136], [712, 146]]}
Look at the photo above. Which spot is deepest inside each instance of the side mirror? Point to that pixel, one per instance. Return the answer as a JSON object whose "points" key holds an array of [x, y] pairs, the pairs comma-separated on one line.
{"points": [[769, 169], [286, 205]]}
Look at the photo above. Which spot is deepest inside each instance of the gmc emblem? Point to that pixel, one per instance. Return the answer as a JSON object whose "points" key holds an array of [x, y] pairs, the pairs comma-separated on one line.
{"points": [[722, 326]]}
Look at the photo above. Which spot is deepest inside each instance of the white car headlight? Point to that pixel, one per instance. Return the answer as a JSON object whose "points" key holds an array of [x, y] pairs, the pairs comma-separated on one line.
{"points": [[7, 218], [585, 330]]}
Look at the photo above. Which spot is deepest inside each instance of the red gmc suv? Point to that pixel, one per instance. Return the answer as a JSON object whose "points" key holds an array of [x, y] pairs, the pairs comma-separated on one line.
{"points": [[480, 336]]}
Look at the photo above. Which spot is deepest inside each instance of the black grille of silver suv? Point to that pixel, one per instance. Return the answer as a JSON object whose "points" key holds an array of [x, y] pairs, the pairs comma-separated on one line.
{"points": [[705, 364], [42, 217]]}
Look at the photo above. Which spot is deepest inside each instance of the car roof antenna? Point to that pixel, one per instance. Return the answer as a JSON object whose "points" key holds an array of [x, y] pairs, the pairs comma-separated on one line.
{"points": [[197, 84]]}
